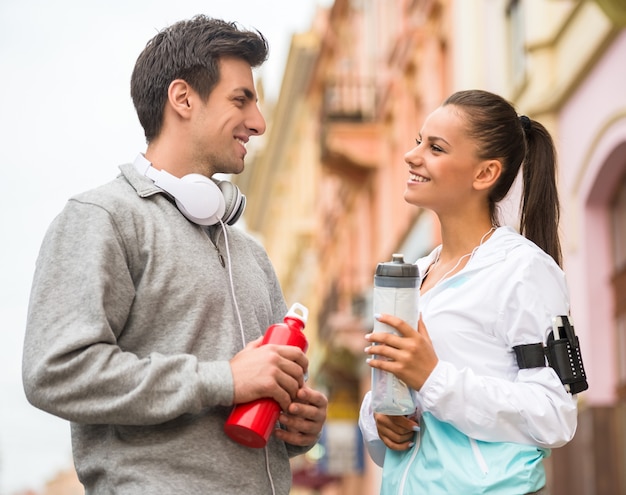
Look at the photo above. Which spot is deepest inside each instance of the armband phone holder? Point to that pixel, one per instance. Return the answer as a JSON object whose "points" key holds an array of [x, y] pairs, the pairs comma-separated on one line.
{"points": [[563, 354]]}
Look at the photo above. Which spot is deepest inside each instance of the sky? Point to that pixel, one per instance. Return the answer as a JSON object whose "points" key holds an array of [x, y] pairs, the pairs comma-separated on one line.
{"points": [[66, 123]]}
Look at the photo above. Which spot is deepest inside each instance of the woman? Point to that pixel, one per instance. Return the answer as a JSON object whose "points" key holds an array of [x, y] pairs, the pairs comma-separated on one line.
{"points": [[482, 425]]}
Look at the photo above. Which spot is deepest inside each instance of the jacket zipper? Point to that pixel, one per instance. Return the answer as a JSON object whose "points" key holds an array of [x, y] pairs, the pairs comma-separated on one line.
{"points": [[215, 245], [405, 474], [479, 456]]}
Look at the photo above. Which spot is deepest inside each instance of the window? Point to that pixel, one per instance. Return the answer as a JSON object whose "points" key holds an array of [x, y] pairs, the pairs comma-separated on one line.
{"points": [[517, 42]]}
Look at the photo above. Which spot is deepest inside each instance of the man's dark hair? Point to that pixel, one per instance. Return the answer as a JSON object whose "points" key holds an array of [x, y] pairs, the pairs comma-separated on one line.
{"points": [[188, 50]]}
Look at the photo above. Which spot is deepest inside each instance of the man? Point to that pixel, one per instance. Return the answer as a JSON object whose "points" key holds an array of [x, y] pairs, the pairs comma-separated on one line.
{"points": [[147, 310]]}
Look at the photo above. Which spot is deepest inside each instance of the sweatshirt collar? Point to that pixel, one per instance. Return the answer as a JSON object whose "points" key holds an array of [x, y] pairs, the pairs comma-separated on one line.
{"points": [[143, 185]]}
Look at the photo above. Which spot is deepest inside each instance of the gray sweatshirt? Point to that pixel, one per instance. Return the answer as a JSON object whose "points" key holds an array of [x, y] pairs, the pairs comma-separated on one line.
{"points": [[130, 327]]}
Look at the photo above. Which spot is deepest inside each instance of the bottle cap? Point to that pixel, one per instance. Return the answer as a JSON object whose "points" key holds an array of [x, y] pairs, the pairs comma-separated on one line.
{"points": [[299, 312], [397, 268]]}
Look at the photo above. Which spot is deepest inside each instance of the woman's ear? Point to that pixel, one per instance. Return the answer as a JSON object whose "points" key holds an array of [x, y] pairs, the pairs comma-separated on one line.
{"points": [[178, 97], [487, 174]]}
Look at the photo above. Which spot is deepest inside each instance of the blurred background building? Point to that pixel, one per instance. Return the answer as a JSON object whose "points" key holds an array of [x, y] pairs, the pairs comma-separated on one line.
{"points": [[326, 185], [325, 192]]}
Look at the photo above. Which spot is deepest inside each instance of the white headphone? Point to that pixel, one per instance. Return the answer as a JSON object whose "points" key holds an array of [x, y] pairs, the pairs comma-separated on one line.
{"points": [[202, 200]]}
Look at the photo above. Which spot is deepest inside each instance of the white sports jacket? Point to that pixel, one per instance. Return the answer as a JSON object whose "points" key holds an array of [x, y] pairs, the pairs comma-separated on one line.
{"points": [[485, 424]]}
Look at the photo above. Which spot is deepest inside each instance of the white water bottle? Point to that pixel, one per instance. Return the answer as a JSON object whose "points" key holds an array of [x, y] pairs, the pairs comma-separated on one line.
{"points": [[396, 292]]}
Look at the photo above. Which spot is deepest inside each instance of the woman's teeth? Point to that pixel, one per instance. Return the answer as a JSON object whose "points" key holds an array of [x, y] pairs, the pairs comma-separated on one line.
{"points": [[418, 178]]}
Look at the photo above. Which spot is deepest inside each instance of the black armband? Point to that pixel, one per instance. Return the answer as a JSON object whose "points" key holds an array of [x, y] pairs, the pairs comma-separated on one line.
{"points": [[563, 355]]}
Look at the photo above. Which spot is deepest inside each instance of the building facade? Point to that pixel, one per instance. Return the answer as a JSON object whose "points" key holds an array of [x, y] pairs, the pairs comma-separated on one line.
{"points": [[327, 188]]}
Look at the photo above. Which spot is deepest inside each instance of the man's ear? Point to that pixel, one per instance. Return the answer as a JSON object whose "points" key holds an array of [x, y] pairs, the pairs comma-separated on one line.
{"points": [[179, 97], [487, 174]]}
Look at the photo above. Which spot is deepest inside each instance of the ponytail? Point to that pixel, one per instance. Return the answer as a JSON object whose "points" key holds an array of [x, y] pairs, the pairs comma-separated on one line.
{"points": [[540, 210]]}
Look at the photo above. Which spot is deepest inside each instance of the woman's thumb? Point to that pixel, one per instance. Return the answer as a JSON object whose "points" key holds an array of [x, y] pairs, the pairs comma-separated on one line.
{"points": [[422, 330]]}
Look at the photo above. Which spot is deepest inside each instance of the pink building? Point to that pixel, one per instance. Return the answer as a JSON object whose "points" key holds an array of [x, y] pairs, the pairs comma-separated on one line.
{"points": [[592, 148]]}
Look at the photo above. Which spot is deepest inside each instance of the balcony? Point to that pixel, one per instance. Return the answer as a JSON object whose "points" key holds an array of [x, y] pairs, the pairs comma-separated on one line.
{"points": [[350, 125]]}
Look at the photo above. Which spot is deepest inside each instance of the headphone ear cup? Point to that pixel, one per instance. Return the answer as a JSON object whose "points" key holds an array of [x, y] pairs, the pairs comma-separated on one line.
{"points": [[199, 199], [234, 200]]}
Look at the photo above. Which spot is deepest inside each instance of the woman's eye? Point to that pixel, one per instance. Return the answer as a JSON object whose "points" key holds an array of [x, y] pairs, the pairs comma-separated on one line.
{"points": [[417, 141], [436, 148]]}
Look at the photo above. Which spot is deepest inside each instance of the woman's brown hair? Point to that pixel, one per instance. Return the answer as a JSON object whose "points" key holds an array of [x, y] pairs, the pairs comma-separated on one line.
{"points": [[517, 141]]}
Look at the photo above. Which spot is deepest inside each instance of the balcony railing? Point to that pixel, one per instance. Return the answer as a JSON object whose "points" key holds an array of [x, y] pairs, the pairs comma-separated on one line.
{"points": [[350, 99]]}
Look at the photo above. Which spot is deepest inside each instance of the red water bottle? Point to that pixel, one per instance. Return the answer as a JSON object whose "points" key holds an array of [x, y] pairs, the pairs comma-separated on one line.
{"points": [[252, 423]]}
